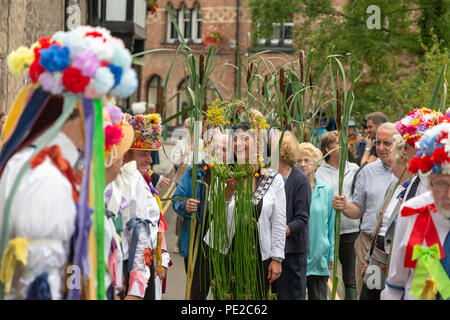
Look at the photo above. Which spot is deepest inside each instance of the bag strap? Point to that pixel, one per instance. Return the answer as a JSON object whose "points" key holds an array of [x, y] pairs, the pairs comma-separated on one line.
{"points": [[385, 205]]}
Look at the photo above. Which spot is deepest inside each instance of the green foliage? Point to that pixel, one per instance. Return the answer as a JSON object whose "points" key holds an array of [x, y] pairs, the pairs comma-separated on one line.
{"points": [[406, 31], [415, 89]]}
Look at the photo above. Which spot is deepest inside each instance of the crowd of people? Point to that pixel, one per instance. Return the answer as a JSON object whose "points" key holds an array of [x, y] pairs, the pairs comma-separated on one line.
{"points": [[394, 203]]}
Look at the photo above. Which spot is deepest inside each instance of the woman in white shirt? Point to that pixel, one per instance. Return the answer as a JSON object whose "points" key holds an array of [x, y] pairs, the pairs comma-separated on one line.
{"points": [[271, 220]]}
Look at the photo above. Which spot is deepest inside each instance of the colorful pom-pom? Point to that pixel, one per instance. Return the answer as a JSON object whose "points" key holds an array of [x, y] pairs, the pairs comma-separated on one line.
{"points": [[54, 58], [74, 81]]}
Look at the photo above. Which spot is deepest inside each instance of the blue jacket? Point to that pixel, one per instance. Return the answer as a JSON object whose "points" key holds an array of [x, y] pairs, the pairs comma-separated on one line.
{"points": [[184, 190], [321, 230]]}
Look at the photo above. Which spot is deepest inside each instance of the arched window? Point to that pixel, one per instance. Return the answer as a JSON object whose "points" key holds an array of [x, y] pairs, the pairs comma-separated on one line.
{"points": [[155, 93]]}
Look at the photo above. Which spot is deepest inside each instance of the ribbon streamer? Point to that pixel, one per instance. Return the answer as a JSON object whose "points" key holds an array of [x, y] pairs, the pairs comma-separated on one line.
{"points": [[136, 223], [83, 220], [423, 229], [99, 188], [429, 263]]}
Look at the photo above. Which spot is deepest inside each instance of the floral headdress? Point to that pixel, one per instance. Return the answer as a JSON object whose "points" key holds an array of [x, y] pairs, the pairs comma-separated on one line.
{"points": [[413, 126], [219, 111], [118, 134], [147, 131], [433, 151], [85, 60]]}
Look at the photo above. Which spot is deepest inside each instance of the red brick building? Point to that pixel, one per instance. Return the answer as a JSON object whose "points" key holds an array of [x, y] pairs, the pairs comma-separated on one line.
{"points": [[232, 17]]}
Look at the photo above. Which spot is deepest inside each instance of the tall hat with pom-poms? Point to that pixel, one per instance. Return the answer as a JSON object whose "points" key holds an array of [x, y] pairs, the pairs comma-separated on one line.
{"points": [[433, 154], [413, 126], [74, 70]]}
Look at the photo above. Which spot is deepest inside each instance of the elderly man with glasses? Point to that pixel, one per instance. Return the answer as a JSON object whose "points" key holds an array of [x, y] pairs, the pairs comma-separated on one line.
{"points": [[371, 184]]}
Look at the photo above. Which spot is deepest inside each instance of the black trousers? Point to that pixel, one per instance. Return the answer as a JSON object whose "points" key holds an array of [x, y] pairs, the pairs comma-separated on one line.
{"points": [[347, 258], [201, 278], [372, 294], [317, 287], [291, 285], [150, 291]]}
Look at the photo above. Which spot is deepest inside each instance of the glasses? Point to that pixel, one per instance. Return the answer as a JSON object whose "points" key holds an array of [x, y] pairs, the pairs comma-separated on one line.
{"points": [[306, 161], [385, 143], [440, 186]]}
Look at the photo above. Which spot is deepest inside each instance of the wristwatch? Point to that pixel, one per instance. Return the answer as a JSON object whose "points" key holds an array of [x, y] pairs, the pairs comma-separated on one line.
{"points": [[367, 149], [277, 259]]}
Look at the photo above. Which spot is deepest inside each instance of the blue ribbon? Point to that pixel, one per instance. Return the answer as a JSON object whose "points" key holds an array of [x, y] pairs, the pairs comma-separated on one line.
{"points": [[27, 119], [136, 223], [83, 218]]}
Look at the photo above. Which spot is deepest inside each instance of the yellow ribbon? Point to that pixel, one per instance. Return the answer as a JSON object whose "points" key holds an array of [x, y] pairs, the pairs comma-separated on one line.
{"points": [[16, 111], [17, 250], [429, 263], [159, 238]]}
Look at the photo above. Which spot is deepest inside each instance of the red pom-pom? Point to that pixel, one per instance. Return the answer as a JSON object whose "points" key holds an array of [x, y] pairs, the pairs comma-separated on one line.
{"points": [[113, 135], [439, 155], [413, 166], [44, 43], [35, 70], [425, 164], [74, 81]]}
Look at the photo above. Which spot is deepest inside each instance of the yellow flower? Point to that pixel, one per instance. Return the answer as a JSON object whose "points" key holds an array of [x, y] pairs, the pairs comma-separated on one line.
{"points": [[20, 59], [263, 172], [262, 165], [154, 118]]}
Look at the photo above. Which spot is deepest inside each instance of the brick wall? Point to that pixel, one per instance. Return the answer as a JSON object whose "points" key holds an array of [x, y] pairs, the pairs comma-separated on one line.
{"points": [[221, 13]]}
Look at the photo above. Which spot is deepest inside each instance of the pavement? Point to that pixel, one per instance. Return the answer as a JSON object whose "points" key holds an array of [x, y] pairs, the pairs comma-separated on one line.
{"points": [[176, 275]]}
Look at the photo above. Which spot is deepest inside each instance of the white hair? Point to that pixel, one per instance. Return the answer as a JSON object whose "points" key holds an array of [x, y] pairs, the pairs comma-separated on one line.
{"points": [[139, 107]]}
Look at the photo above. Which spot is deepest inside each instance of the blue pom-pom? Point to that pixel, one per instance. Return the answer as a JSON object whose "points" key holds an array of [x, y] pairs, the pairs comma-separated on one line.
{"points": [[117, 72], [55, 59]]}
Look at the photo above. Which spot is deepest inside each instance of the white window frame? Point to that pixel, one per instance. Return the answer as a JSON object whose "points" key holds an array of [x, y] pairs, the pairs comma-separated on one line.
{"points": [[281, 41], [196, 36], [283, 30], [169, 39], [185, 11]]}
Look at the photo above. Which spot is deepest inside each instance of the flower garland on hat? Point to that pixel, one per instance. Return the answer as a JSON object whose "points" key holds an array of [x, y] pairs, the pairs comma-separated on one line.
{"points": [[86, 61], [216, 114], [433, 154], [147, 131], [413, 126]]}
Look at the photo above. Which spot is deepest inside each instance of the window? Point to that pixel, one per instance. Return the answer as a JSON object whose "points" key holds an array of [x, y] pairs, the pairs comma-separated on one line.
{"points": [[155, 93], [281, 36], [189, 21], [197, 22]]}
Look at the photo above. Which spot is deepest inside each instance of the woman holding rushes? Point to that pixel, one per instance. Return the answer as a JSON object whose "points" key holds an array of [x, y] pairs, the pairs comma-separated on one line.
{"points": [[251, 231]]}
